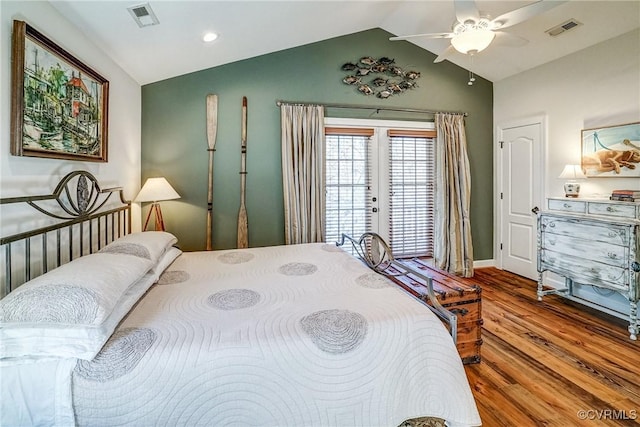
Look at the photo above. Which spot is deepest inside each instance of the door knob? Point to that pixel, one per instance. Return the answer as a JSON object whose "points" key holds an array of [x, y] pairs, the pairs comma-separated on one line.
{"points": [[535, 210]]}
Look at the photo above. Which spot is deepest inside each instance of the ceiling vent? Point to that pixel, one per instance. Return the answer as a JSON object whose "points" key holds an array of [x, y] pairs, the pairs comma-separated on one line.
{"points": [[563, 28], [143, 15]]}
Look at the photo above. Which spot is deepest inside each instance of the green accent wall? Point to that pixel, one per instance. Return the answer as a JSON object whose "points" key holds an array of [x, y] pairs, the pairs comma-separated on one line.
{"points": [[174, 142]]}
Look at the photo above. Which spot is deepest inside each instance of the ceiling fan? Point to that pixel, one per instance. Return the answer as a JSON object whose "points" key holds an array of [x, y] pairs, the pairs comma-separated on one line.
{"points": [[474, 31]]}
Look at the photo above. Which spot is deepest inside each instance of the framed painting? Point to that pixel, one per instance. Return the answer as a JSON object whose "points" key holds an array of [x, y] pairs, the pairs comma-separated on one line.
{"points": [[59, 106], [612, 151]]}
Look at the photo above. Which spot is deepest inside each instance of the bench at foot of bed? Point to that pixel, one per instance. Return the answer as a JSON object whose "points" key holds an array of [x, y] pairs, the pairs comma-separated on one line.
{"points": [[457, 295]]}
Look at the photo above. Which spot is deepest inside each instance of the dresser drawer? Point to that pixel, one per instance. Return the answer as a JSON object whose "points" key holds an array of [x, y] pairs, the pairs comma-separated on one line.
{"points": [[592, 272], [587, 249], [618, 210], [585, 229], [575, 206]]}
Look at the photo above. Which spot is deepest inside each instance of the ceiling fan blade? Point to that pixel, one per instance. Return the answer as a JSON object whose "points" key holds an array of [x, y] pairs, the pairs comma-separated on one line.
{"points": [[427, 35], [526, 12], [466, 9], [508, 40], [448, 52]]}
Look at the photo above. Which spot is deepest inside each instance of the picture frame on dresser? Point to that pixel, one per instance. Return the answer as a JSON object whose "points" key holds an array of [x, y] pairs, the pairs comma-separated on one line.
{"points": [[59, 105], [611, 151]]}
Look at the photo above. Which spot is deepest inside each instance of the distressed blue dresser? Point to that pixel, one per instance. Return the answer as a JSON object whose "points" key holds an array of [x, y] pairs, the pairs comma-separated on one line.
{"points": [[592, 243]]}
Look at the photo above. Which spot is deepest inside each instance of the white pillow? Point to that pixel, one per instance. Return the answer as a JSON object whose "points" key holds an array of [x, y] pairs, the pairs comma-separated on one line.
{"points": [[72, 311], [165, 262], [67, 312], [151, 245]]}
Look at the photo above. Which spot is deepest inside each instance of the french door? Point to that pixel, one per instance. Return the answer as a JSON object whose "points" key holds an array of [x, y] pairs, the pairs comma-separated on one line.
{"points": [[379, 176]]}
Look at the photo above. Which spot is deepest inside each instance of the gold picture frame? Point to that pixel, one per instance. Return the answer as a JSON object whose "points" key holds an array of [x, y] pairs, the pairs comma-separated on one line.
{"points": [[59, 106]]}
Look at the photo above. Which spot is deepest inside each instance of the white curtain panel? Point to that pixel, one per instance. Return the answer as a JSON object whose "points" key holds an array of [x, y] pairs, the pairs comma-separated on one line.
{"points": [[453, 249], [303, 172]]}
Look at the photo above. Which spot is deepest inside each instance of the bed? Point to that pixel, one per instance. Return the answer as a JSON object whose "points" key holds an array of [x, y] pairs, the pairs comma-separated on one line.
{"points": [[132, 331]]}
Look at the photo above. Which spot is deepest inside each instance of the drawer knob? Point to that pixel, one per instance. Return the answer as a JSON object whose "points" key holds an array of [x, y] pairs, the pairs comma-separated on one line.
{"points": [[552, 224], [610, 209], [566, 205], [612, 255]]}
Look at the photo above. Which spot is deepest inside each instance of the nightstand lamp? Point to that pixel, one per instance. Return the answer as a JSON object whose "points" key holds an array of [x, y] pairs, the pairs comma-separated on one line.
{"points": [[156, 190], [571, 173]]}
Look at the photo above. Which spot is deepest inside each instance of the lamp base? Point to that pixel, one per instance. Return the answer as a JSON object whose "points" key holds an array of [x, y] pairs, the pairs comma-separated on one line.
{"points": [[155, 208], [571, 189]]}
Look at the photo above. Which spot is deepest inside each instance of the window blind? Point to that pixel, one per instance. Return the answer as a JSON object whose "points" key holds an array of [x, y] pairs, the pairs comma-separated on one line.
{"points": [[418, 133], [411, 193], [331, 130]]}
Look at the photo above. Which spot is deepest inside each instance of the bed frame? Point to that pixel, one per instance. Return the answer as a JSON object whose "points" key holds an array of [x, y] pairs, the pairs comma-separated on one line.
{"points": [[375, 252], [82, 219]]}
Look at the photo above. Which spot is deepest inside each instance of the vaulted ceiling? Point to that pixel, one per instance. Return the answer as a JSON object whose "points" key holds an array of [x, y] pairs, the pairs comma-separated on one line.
{"points": [[251, 28]]}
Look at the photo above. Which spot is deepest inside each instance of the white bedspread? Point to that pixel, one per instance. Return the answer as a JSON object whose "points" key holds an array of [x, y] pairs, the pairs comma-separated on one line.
{"points": [[300, 335]]}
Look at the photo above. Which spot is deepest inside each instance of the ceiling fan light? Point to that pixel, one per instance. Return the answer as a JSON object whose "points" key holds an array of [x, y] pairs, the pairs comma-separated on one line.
{"points": [[472, 40]]}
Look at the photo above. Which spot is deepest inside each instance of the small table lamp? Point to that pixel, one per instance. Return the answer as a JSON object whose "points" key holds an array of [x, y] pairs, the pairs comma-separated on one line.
{"points": [[155, 190], [571, 173]]}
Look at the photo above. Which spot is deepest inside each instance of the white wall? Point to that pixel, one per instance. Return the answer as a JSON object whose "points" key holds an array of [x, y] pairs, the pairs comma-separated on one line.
{"points": [[598, 86], [34, 176]]}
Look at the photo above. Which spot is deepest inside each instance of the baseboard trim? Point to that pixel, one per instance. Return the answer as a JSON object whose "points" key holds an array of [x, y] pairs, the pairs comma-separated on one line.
{"points": [[484, 263]]}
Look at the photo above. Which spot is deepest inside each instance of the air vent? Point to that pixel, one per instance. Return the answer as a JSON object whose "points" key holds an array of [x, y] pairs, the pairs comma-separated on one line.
{"points": [[143, 15], [563, 28]]}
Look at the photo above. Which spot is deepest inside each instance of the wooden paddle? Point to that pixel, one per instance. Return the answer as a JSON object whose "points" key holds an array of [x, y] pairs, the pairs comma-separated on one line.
{"points": [[212, 129], [243, 226]]}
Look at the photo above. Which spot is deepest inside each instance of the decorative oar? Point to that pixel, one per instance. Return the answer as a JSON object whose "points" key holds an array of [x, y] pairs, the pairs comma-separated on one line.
{"points": [[212, 129], [243, 227]]}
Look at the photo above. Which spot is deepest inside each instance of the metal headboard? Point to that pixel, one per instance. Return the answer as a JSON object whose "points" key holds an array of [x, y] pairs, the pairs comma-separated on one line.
{"points": [[83, 222], [375, 252]]}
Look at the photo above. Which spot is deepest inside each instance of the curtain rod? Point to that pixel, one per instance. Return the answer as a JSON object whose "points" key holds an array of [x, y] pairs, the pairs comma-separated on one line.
{"points": [[367, 107]]}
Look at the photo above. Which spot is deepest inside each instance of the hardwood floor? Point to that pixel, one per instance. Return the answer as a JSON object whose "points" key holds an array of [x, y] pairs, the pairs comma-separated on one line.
{"points": [[551, 363]]}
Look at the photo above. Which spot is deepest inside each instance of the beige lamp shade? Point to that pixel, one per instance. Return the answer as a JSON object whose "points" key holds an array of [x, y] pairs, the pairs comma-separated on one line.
{"points": [[572, 172], [155, 190]]}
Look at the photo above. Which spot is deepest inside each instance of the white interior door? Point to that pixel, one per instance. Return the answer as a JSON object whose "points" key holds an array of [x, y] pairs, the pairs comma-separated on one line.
{"points": [[521, 190]]}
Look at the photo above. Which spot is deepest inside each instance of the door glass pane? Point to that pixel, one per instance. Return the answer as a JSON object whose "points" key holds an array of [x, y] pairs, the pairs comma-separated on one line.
{"points": [[347, 184]]}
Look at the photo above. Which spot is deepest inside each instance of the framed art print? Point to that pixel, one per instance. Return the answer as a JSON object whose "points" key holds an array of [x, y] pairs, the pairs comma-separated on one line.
{"points": [[612, 151], [58, 104]]}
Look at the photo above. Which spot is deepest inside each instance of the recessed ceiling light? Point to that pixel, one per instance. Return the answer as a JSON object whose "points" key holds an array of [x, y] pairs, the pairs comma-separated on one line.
{"points": [[209, 37]]}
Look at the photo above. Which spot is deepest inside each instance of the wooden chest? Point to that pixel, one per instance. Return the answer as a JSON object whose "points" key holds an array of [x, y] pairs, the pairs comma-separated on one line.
{"points": [[458, 296]]}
